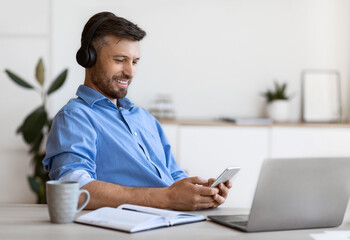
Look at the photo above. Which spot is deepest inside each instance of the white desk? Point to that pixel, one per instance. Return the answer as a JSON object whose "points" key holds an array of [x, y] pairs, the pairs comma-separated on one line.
{"points": [[31, 221]]}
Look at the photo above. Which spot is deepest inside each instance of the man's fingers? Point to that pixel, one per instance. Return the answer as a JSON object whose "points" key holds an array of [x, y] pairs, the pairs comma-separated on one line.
{"points": [[197, 180], [219, 199], [228, 184], [206, 199], [210, 181], [208, 191], [223, 190], [206, 205]]}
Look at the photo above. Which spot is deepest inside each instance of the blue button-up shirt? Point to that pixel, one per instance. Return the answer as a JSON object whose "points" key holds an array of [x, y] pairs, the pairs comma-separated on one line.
{"points": [[126, 146]]}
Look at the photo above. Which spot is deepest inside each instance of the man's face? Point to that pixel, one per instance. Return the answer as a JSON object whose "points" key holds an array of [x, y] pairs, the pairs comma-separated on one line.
{"points": [[115, 67]]}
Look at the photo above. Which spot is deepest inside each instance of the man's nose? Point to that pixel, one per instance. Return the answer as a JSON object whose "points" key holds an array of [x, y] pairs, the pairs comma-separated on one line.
{"points": [[129, 69]]}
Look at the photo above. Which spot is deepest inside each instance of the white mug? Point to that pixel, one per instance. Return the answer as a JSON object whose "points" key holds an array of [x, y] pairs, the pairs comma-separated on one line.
{"points": [[62, 199]]}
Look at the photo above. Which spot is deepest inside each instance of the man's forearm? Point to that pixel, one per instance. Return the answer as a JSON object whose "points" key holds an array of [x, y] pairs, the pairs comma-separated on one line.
{"points": [[186, 194], [104, 194]]}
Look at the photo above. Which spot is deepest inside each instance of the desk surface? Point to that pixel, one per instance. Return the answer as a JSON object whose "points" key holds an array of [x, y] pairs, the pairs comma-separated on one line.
{"points": [[29, 221]]}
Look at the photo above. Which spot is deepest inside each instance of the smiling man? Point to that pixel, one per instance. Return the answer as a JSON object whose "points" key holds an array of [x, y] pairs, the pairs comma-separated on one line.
{"points": [[115, 150]]}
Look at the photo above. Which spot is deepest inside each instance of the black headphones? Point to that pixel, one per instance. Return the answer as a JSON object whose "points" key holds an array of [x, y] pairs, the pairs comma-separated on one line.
{"points": [[86, 55]]}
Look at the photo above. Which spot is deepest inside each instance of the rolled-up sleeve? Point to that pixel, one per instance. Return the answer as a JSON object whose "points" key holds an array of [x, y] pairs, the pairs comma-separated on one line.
{"points": [[80, 176], [71, 145]]}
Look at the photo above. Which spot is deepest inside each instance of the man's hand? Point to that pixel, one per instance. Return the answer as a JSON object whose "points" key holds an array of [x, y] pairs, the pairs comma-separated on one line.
{"points": [[223, 191], [193, 193]]}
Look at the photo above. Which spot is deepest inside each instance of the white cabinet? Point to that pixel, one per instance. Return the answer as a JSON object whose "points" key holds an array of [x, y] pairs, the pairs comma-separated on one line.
{"points": [[171, 132], [310, 142]]}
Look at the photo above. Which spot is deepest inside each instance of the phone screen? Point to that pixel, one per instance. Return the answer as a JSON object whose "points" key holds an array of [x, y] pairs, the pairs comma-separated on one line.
{"points": [[226, 175]]}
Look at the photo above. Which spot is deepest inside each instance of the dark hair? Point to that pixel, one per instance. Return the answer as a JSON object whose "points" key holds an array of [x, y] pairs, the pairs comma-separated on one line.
{"points": [[113, 25]]}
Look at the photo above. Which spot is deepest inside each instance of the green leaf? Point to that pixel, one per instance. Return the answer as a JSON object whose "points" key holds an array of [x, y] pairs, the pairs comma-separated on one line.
{"points": [[42, 194], [20, 129], [38, 166], [49, 124], [39, 72], [18, 79], [58, 82], [37, 143], [33, 125], [39, 178], [34, 185], [278, 93]]}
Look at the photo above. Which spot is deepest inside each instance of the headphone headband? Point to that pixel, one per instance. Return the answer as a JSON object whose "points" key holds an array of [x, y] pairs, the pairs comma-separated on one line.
{"points": [[87, 39], [86, 55]]}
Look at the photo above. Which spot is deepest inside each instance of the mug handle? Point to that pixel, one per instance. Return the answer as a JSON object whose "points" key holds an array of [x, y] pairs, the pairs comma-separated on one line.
{"points": [[85, 202]]}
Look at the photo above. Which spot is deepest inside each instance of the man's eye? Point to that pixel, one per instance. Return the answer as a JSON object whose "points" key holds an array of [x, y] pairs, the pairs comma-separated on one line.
{"points": [[119, 60], [135, 62]]}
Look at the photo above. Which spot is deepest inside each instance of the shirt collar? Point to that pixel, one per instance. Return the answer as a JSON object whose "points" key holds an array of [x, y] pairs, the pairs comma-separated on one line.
{"points": [[125, 103], [91, 96]]}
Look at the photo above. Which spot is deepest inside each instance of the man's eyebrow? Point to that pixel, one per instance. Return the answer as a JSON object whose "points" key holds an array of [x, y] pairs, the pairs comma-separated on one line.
{"points": [[125, 56]]}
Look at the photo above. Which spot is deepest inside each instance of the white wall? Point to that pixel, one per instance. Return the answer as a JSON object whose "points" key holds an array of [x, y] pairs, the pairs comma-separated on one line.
{"points": [[216, 57], [213, 57]]}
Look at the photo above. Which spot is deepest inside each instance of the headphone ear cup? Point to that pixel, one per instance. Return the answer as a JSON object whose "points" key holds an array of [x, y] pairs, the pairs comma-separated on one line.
{"points": [[87, 58], [82, 57], [92, 57]]}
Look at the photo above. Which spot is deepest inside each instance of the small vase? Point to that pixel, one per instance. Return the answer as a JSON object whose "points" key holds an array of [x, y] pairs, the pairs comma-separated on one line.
{"points": [[278, 110]]}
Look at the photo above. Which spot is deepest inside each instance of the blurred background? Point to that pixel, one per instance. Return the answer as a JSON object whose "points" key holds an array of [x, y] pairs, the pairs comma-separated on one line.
{"points": [[213, 58]]}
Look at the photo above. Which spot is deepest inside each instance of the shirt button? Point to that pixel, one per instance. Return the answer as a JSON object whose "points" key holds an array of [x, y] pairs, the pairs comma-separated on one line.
{"points": [[135, 133]]}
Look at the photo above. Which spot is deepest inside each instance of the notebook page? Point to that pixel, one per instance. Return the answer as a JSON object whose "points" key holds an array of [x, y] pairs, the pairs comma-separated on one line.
{"points": [[129, 221], [173, 217]]}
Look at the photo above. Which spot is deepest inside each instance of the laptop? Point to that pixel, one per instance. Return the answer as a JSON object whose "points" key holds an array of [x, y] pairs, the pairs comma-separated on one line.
{"points": [[296, 193]]}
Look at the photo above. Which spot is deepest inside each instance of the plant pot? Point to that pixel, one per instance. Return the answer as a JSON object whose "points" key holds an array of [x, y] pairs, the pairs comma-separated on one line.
{"points": [[278, 110]]}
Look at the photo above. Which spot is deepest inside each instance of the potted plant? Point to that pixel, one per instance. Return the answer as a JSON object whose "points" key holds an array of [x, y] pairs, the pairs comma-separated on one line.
{"points": [[36, 126], [277, 102]]}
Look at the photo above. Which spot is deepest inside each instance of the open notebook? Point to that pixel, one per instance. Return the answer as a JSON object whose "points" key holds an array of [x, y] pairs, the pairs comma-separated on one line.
{"points": [[133, 218]]}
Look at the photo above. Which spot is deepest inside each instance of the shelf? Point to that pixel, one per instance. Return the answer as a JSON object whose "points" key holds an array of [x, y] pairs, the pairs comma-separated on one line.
{"points": [[223, 123]]}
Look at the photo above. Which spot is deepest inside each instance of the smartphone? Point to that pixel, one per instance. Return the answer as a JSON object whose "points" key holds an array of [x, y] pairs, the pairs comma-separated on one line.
{"points": [[226, 175]]}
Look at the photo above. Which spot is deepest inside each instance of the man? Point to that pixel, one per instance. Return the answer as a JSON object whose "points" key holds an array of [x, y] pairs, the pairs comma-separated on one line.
{"points": [[115, 150]]}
